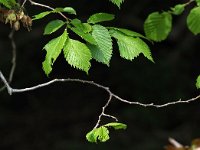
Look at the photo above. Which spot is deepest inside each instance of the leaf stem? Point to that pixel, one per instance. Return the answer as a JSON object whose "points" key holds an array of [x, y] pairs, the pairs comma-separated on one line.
{"points": [[48, 7]]}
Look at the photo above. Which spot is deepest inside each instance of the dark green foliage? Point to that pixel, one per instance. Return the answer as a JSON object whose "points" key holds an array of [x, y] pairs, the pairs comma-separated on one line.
{"points": [[178, 9], [157, 26], [193, 20], [8, 3]]}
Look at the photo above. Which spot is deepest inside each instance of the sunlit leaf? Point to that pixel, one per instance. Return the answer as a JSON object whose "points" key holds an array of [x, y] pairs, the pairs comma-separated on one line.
{"points": [[128, 32], [102, 52], [198, 82], [77, 54], [100, 17], [41, 15], [69, 10], [53, 48], [178, 9], [92, 136], [76, 22], [86, 36], [157, 26], [84, 27], [116, 125], [103, 134], [193, 20], [53, 26], [130, 47], [82, 30], [100, 134]]}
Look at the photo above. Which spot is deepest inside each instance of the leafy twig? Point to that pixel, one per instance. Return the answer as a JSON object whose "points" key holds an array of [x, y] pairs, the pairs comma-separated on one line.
{"points": [[103, 110], [48, 7]]}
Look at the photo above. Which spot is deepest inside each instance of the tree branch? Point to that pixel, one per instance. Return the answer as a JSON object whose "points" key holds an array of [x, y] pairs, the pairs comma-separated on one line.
{"points": [[111, 95], [106, 89], [24, 2], [157, 105], [14, 56], [103, 110]]}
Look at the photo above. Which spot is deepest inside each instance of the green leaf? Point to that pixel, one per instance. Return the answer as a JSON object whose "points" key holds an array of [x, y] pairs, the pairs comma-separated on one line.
{"points": [[41, 15], [53, 48], [193, 20], [86, 36], [198, 2], [98, 54], [103, 134], [68, 10], [53, 26], [8, 3], [116, 125], [77, 54], [92, 136], [82, 30], [100, 17], [130, 47], [157, 26], [117, 2], [128, 32], [77, 23], [99, 134], [102, 52], [198, 82], [84, 27], [178, 9]]}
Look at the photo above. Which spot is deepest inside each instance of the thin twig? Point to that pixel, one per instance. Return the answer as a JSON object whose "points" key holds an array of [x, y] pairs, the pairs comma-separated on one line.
{"points": [[103, 109], [14, 55], [48, 7], [13, 61], [176, 144], [111, 95], [24, 2], [110, 116], [6, 83], [157, 105], [190, 1]]}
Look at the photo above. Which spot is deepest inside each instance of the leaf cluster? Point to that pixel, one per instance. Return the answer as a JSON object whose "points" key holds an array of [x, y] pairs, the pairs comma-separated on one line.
{"points": [[98, 41], [158, 26]]}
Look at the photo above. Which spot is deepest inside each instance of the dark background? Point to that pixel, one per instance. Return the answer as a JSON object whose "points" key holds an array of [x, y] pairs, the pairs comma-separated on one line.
{"points": [[58, 117]]}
